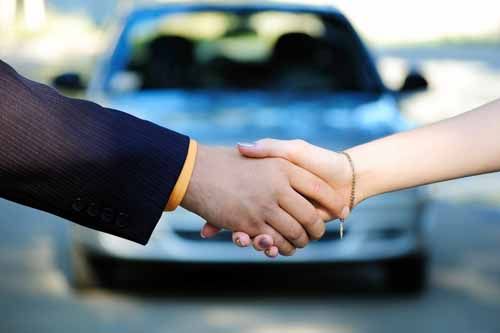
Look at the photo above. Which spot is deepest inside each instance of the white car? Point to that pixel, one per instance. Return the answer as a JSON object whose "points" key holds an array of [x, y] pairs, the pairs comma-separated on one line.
{"points": [[225, 73]]}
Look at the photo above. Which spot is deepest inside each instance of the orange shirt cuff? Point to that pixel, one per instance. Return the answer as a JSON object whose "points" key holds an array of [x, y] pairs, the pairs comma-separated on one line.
{"points": [[181, 186]]}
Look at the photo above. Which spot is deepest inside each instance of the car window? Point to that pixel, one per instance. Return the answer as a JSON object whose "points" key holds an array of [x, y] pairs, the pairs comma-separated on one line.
{"points": [[253, 51]]}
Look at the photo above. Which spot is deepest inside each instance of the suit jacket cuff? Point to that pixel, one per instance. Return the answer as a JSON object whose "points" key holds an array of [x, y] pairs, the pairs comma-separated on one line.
{"points": [[181, 186]]}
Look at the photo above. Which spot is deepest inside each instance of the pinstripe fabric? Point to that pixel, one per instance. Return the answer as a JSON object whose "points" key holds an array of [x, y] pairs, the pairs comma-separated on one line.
{"points": [[98, 167]]}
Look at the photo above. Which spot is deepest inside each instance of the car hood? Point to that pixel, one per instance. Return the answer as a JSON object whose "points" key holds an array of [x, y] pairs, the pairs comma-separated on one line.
{"points": [[335, 121]]}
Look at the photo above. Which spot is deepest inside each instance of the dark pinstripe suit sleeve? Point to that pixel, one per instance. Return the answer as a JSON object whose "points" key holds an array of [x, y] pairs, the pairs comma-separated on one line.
{"points": [[98, 167]]}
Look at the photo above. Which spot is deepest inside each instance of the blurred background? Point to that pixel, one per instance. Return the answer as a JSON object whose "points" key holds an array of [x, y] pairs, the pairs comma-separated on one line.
{"points": [[454, 46]]}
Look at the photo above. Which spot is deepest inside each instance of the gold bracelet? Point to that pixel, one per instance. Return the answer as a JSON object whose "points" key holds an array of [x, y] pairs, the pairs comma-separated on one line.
{"points": [[353, 190], [353, 180]]}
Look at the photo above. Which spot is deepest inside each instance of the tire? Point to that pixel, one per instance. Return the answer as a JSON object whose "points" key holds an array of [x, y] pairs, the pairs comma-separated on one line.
{"points": [[86, 271], [72, 261], [407, 275], [82, 275]]}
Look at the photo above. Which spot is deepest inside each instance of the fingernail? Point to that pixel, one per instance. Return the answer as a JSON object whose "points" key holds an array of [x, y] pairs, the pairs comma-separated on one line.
{"points": [[202, 235], [247, 144], [238, 241], [264, 243], [345, 213]]}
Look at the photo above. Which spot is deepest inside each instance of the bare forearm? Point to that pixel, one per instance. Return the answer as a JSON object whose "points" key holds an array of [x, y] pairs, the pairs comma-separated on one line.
{"points": [[462, 146]]}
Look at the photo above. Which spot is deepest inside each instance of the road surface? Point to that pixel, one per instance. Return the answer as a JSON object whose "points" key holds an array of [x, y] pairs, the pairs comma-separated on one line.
{"points": [[464, 292]]}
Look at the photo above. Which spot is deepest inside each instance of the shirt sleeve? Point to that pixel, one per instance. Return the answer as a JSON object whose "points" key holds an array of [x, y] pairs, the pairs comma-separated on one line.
{"points": [[182, 184]]}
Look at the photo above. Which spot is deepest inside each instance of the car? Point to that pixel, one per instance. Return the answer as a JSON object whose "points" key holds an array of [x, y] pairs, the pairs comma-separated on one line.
{"points": [[225, 73]]}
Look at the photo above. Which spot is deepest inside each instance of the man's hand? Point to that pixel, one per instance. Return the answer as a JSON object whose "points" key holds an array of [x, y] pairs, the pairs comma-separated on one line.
{"points": [[259, 196], [330, 166]]}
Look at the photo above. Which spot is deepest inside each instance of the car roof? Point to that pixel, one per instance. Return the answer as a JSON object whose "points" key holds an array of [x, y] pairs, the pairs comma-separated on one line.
{"points": [[143, 8], [146, 10], [243, 3]]}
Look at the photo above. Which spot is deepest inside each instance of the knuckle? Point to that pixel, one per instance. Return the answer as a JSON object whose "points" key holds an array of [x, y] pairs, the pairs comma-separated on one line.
{"points": [[299, 142], [322, 231], [311, 219], [255, 226], [319, 233], [279, 242], [265, 140], [282, 191], [268, 209], [296, 234], [302, 242], [298, 147], [280, 184], [281, 165], [288, 251], [275, 167], [284, 247]]}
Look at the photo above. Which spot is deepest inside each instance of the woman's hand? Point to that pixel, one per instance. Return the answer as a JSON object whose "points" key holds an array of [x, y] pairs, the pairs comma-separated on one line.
{"points": [[465, 145], [332, 167]]}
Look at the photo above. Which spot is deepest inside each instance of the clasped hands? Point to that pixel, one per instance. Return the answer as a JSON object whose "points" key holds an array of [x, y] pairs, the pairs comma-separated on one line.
{"points": [[276, 195]]}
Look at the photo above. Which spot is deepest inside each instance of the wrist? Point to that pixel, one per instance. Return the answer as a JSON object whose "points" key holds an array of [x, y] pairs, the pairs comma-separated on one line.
{"points": [[194, 199]]}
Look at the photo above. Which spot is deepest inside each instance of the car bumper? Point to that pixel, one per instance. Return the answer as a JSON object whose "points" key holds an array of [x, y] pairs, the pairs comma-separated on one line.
{"points": [[197, 252]]}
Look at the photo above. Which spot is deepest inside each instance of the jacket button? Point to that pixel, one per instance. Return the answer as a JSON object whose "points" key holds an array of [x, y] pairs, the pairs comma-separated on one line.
{"points": [[93, 210], [78, 205], [107, 215], [122, 220]]}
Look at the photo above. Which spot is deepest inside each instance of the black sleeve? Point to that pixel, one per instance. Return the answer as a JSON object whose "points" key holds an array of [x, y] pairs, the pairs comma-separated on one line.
{"points": [[98, 167]]}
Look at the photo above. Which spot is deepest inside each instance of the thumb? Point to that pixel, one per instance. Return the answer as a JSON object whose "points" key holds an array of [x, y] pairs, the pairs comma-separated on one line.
{"points": [[209, 230], [264, 148], [316, 160]]}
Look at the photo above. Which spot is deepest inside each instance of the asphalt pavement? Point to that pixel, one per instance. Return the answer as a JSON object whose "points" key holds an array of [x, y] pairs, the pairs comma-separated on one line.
{"points": [[463, 296]]}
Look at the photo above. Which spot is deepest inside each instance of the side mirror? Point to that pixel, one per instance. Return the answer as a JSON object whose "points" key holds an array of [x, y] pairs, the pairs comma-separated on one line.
{"points": [[414, 82], [125, 82], [69, 82]]}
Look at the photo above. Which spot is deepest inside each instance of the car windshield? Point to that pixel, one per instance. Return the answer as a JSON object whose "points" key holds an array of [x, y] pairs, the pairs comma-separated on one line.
{"points": [[244, 51]]}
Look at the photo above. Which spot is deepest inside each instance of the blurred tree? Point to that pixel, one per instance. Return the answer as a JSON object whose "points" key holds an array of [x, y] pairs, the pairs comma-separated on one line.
{"points": [[34, 14], [33, 11], [7, 14]]}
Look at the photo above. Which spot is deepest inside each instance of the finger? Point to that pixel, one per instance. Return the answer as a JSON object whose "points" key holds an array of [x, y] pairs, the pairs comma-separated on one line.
{"points": [[286, 225], [209, 230], [324, 214], [298, 152], [285, 248], [262, 242], [272, 252], [241, 239], [316, 189], [304, 212]]}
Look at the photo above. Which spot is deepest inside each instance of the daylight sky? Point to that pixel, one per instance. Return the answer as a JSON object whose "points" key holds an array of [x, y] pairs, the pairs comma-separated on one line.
{"points": [[404, 21]]}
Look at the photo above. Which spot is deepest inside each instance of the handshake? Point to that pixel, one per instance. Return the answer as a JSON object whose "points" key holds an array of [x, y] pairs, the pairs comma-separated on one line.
{"points": [[275, 194]]}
